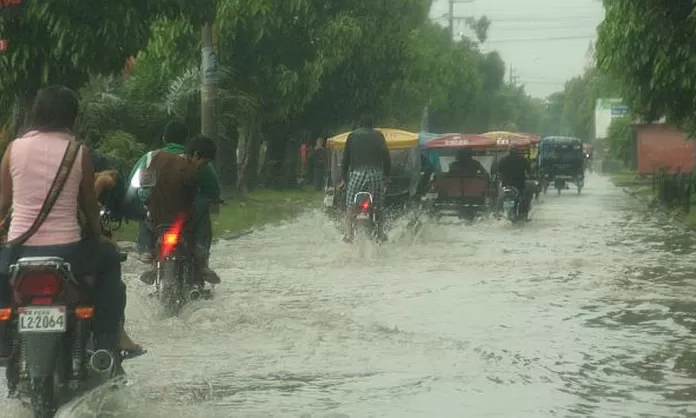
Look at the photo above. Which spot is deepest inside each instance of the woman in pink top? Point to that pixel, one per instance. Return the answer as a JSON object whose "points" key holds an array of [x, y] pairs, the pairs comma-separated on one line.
{"points": [[28, 169]]}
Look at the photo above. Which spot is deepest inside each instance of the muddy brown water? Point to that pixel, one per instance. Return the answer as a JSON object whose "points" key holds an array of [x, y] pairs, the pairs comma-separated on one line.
{"points": [[587, 311]]}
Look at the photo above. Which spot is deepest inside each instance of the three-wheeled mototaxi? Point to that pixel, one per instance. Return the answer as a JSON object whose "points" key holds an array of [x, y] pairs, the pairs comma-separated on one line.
{"points": [[405, 176], [561, 161], [468, 195]]}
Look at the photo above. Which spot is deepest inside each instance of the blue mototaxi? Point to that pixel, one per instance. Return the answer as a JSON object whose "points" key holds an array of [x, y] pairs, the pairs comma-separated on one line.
{"points": [[561, 161]]}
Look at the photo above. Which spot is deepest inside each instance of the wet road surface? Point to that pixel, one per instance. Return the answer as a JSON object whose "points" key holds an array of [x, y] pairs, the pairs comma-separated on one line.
{"points": [[587, 311]]}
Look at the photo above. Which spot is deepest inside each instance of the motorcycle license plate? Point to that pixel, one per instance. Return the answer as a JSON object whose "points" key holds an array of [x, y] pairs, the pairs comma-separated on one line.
{"points": [[508, 205], [362, 216], [34, 319], [328, 200]]}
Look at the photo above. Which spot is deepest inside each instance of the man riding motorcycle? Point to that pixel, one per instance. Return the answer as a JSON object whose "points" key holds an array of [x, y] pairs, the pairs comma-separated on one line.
{"points": [[366, 166], [208, 193], [513, 169], [173, 193]]}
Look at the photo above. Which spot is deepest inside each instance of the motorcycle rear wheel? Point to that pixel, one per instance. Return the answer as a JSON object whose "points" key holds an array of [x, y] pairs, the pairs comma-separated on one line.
{"points": [[170, 294], [44, 403]]}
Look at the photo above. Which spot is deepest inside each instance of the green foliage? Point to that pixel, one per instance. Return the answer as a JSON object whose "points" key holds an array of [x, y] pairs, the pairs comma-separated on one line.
{"points": [[648, 48], [290, 69], [65, 42], [619, 137], [571, 112], [121, 145]]}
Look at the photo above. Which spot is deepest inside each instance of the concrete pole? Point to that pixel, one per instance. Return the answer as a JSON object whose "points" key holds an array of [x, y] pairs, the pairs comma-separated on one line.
{"points": [[451, 18]]}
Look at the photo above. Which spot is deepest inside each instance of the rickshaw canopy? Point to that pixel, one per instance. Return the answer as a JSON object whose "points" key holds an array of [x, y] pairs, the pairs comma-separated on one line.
{"points": [[535, 139], [505, 139], [459, 141], [424, 137], [562, 140], [396, 139]]}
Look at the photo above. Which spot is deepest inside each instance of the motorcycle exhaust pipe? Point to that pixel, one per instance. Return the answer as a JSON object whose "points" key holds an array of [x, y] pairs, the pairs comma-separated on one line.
{"points": [[194, 294], [101, 361]]}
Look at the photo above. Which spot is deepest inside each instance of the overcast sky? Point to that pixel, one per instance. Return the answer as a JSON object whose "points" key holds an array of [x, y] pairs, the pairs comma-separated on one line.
{"points": [[545, 41]]}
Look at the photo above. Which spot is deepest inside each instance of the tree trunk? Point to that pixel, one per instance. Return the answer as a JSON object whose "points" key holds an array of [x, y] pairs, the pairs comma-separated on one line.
{"points": [[228, 154], [253, 162], [248, 148]]}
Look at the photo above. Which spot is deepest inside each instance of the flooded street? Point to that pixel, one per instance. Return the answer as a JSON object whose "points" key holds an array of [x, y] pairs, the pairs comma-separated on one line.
{"points": [[587, 311]]}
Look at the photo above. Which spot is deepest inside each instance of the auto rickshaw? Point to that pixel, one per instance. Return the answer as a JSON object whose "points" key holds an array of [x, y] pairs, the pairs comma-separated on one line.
{"points": [[405, 174], [561, 161], [464, 195]]}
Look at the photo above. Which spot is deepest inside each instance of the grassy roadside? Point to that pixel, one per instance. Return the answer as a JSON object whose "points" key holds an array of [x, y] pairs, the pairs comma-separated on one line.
{"points": [[258, 208], [642, 189], [634, 185]]}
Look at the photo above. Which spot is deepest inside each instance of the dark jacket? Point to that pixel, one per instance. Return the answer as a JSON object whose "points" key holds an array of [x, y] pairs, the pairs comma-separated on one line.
{"points": [[366, 149], [513, 170]]}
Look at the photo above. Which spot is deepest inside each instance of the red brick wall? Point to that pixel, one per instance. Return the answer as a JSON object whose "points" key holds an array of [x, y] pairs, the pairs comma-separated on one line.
{"points": [[661, 146]]}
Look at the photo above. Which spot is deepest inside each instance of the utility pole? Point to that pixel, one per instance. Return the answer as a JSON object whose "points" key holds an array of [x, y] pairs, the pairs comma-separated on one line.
{"points": [[451, 17], [512, 78], [209, 78]]}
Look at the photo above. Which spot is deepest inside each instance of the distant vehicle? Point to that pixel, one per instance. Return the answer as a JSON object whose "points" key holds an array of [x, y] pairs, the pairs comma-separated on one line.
{"points": [[561, 162]]}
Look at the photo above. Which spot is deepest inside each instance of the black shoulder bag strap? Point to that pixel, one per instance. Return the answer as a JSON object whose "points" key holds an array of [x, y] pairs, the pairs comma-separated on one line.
{"points": [[59, 181]]}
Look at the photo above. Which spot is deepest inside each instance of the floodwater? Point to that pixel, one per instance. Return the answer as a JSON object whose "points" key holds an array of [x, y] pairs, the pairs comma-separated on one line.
{"points": [[587, 311]]}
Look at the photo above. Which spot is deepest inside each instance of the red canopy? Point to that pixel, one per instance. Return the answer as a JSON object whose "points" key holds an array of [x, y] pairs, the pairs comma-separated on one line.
{"points": [[504, 143], [455, 141]]}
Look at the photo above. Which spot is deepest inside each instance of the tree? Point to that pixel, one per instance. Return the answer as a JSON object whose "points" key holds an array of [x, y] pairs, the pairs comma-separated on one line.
{"points": [[648, 48], [480, 27], [619, 137], [291, 71], [571, 112], [66, 42]]}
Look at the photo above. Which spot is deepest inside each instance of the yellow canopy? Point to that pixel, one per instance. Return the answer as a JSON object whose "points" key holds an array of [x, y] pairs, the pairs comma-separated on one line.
{"points": [[396, 139]]}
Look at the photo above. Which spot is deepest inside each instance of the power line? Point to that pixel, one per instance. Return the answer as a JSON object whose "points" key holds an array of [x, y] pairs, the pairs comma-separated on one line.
{"points": [[526, 20], [550, 38]]}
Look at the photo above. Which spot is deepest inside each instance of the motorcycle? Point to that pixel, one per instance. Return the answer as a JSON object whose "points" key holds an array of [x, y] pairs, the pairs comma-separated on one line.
{"points": [[48, 347], [176, 282], [511, 204], [366, 217]]}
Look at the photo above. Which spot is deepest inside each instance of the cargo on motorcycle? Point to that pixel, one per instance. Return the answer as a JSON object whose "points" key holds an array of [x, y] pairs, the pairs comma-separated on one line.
{"points": [[561, 162], [400, 191], [170, 198], [461, 184]]}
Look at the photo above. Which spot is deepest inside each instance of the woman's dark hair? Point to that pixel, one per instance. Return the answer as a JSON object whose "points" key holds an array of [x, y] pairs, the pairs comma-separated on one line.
{"points": [[203, 146], [176, 132], [55, 109]]}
